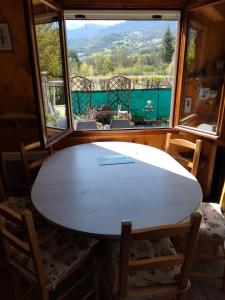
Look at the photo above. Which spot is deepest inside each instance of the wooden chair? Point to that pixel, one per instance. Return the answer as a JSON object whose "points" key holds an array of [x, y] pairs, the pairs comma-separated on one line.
{"points": [[150, 265], [17, 203], [210, 247], [191, 163], [49, 260], [3, 196], [29, 165]]}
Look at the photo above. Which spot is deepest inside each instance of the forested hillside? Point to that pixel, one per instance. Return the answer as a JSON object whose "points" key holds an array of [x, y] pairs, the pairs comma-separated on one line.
{"points": [[128, 48]]}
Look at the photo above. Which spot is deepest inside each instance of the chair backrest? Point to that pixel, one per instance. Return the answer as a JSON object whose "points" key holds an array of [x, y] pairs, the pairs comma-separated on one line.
{"points": [[119, 92], [222, 198], [27, 246], [187, 232], [190, 159], [3, 196], [28, 164], [81, 88], [82, 125], [114, 124]]}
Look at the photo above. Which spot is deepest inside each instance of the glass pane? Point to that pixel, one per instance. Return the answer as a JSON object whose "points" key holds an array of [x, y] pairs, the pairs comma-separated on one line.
{"points": [[47, 31], [121, 72], [204, 68]]}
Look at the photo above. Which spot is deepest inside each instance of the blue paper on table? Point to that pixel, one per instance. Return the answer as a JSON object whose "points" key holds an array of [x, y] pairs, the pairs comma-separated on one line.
{"points": [[114, 160]]}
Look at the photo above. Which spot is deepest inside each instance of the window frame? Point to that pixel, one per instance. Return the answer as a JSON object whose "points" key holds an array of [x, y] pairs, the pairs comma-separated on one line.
{"points": [[132, 15], [220, 133], [57, 134]]}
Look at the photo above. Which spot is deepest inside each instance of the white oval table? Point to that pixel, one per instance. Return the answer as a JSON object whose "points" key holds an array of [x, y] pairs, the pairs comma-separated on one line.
{"points": [[74, 191]]}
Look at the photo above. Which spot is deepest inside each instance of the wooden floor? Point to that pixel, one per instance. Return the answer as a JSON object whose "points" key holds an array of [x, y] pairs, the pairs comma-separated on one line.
{"points": [[207, 289], [201, 289]]}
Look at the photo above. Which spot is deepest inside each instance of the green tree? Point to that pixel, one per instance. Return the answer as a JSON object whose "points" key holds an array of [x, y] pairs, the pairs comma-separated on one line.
{"points": [[167, 47], [49, 51], [74, 62]]}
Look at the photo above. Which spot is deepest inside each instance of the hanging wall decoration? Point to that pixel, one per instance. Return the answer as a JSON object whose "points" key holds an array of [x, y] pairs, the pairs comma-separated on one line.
{"points": [[5, 38]]}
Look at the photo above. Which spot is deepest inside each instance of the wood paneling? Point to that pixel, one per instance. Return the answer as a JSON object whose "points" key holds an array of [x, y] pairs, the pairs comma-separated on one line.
{"points": [[196, 3], [16, 89], [124, 4]]}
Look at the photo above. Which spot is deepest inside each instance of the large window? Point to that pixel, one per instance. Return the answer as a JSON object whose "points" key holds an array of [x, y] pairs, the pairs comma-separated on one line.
{"points": [[121, 68]]}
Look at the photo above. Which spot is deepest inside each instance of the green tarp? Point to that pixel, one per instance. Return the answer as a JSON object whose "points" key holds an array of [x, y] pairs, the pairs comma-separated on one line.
{"points": [[161, 102]]}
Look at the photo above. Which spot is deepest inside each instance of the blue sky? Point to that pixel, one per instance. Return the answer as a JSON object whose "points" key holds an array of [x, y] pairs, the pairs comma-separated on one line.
{"points": [[73, 24]]}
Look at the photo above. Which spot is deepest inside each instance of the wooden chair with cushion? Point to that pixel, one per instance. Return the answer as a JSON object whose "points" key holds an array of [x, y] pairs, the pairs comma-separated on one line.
{"points": [[47, 258], [18, 203], [149, 263], [29, 165], [191, 162], [211, 241]]}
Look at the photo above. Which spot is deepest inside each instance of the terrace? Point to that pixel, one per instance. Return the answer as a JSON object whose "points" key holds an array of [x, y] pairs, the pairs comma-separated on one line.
{"points": [[145, 104]]}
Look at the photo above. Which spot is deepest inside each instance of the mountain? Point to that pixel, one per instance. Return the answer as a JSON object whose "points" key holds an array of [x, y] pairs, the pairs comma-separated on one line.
{"points": [[93, 38]]}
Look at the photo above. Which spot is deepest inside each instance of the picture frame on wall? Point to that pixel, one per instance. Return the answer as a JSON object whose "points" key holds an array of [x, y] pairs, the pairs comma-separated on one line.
{"points": [[5, 37], [219, 67]]}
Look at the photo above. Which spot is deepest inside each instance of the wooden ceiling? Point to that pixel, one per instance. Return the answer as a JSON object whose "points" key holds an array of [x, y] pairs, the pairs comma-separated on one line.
{"points": [[131, 4], [123, 4]]}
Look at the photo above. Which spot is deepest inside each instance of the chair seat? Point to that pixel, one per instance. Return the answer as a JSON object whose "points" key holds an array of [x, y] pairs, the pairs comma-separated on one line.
{"points": [[140, 250], [19, 204], [213, 221], [61, 252]]}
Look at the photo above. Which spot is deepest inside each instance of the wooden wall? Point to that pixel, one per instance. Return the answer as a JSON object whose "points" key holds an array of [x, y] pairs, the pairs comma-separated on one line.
{"points": [[16, 88]]}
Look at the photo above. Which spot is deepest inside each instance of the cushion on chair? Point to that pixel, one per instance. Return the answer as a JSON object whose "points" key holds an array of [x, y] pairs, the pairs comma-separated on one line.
{"points": [[213, 221], [61, 251], [140, 250], [19, 204]]}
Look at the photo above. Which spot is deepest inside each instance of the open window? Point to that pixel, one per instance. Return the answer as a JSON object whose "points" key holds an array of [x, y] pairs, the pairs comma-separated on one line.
{"points": [[201, 89], [50, 68], [122, 68]]}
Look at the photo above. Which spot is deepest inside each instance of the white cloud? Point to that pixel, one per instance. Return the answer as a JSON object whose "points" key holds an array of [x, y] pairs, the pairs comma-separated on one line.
{"points": [[73, 24]]}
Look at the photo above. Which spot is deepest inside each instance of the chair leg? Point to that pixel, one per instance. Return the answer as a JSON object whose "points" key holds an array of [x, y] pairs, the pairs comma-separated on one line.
{"points": [[95, 274], [44, 294], [182, 296], [223, 280]]}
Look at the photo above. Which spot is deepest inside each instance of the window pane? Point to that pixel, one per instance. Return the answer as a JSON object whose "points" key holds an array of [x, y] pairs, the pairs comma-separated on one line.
{"points": [[204, 68], [121, 72], [47, 31]]}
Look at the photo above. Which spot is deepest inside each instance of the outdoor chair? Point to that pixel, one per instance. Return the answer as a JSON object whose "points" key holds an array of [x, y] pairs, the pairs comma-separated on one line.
{"points": [[149, 262], [62, 123], [86, 125], [185, 152], [119, 93], [116, 124], [81, 88], [210, 247], [29, 165], [48, 257]]}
